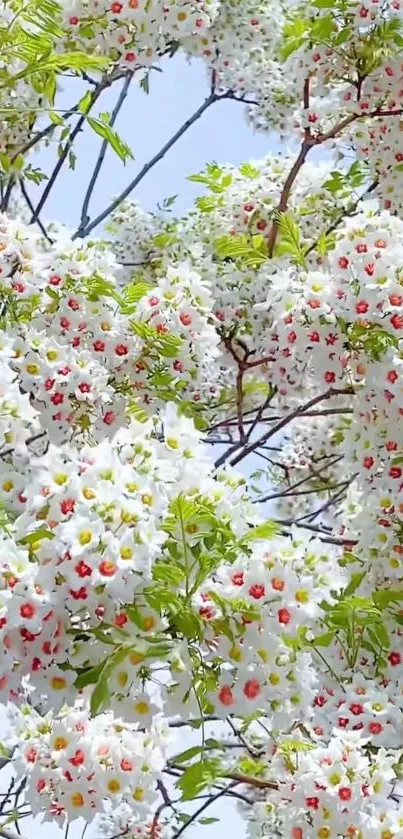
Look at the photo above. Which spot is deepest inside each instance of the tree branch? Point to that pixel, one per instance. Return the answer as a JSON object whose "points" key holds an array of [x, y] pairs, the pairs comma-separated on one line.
{"points": [[246, 450], [32, 209], [84, 231], [208, 803], [309, 142], [283, 204], [60, 163], [106, 82], [87, 198], [289, 490]]}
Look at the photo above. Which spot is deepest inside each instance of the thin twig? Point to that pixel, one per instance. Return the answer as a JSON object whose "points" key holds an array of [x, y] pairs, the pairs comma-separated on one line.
{"points": [[7, 796], [106, 82], [84, 231], [246, 450], [40, 135], [208, 803], [322, 533], [87, 198], [211, 99], [32, 209], [52, 180], [7, 194], [289, 490], [349, 213], [248, 746]]}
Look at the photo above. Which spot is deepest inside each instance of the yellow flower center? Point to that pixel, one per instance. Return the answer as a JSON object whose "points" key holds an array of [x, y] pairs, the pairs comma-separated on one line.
{"points": [[85, 537]]}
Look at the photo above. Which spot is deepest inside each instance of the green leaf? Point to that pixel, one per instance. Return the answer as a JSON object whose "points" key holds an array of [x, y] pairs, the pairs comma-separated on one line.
{"points": [[207, 203], [36, 536], [322, 640], [4, 751], [134, 292], [135, 410], [168, 202], [295, 33], [249, 171], [208, 820], [289, 746], [182, 757], [99, 696], [241, 247], [166, 572], [107, 133], [85, 103], [35, 175], [354, 584], [290, 238], [50, 87], [145, 83], [264, 531], [89, 676], [384, 598], [197, 777]]}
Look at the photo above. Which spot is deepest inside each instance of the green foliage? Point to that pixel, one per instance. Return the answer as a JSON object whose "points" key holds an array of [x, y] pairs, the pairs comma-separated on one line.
{"points": [[265, 531], [104, 130], [214, 178], [132, 293], [197, 777], [135, 411], [290, 239], [295, 33], [250, 252], [163, 343], [249, 171], [34, 538], [372, 340], [342, 183]]}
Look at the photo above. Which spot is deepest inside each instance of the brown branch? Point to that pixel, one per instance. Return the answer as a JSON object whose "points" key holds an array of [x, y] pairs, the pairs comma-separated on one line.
{"points": [[308, 143], [239, 404], [285, 421], [242, 365], [321, 532], [283, 204], [315, 473], [243, 741], [252, 782], [259, 415], [259, 361]]}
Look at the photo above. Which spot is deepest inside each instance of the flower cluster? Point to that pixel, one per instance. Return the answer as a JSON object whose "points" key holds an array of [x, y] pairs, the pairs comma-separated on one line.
{"points": [[73, 764], [270, 595], [338, 790], [135, 32]]}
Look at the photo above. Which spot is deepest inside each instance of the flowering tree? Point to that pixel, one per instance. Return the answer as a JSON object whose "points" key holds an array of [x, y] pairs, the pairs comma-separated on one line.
{"points": [[147, 588]]}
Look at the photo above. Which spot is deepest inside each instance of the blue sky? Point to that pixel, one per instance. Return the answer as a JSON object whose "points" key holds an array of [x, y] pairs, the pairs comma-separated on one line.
{"points": [[146, 123]]}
